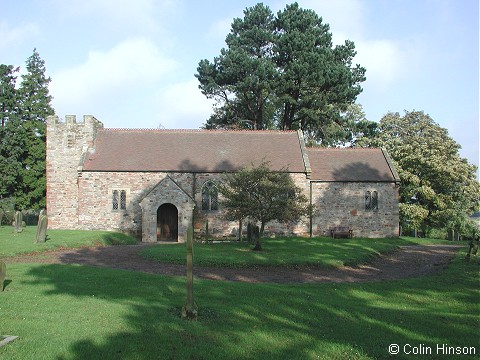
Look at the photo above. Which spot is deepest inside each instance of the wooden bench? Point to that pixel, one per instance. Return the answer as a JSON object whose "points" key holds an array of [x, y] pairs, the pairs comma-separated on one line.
{"points": [[341, 231]]}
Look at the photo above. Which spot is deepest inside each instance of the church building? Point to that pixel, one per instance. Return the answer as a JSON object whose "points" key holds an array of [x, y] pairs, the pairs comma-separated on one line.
{"points": [[155, 183]]}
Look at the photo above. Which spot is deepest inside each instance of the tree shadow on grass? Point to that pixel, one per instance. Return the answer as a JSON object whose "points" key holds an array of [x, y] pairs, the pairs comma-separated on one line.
{"points": [[251, 321], [116, 238]]}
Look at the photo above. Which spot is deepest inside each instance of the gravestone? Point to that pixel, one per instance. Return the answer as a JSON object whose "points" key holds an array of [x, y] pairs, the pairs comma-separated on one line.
{"points": [[18, 222], [5, 339], [41, 234]]}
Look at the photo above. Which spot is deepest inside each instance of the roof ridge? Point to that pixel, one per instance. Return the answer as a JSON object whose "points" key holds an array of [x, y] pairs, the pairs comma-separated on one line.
{"points": [[340, 148], [206, 131]]}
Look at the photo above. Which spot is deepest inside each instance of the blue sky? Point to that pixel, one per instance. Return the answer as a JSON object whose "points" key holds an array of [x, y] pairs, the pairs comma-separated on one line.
{"points": [[131, 64]]}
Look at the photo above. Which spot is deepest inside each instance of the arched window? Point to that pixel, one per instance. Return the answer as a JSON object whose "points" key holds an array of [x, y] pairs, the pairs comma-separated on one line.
{"points": [[371, 200], [209, 196]]}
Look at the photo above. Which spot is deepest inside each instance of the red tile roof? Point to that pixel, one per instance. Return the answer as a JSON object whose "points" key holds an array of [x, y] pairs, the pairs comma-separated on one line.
{"points": [[193, 150], [347, 164]]}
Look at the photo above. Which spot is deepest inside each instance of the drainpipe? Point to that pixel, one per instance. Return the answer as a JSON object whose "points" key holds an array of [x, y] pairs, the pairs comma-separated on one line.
{"points": [[310, 211]]}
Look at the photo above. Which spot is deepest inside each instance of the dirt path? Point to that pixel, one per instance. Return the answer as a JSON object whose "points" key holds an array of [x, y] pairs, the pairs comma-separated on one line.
{"points": [[406, 262]]}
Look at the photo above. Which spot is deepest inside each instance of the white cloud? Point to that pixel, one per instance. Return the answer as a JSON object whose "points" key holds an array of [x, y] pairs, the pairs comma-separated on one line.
{"points": [[386, 60], [183, 106], [221, 28], [13, 36], [383, 59], [345, 16], [138, 15], [127, 67]]}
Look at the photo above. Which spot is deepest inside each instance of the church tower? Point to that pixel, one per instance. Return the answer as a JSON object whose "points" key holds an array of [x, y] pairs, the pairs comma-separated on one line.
{"points": [[67, 144]]}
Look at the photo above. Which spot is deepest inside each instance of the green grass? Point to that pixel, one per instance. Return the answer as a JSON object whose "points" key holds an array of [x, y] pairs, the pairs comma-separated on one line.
{"points": [[12, 243], [287, 252], [80, 312]]}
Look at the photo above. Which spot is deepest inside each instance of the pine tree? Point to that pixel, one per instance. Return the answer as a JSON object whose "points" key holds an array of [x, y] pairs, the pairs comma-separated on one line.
{"points": [[282, 72]]}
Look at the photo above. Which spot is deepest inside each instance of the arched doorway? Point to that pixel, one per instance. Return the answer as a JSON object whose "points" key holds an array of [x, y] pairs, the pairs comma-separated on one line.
{"points": [[167, 223]]}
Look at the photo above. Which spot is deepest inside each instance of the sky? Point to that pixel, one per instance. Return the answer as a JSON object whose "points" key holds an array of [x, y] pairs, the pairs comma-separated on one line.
{"points": [[131, 64]]}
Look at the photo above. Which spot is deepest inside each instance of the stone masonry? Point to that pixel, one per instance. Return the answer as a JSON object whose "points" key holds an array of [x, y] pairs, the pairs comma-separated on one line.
{"points": [[343, 204], [67, 143], [79, 199]]}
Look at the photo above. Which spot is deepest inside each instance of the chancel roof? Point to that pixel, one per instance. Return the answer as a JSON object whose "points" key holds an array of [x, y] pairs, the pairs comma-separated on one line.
{"points": [[351, 164], [193, 150]]}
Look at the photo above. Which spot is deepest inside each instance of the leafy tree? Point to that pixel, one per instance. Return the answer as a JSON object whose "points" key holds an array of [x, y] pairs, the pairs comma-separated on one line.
{"points": [[281, 72], [263, 195], [35, 106], [439, 188]]}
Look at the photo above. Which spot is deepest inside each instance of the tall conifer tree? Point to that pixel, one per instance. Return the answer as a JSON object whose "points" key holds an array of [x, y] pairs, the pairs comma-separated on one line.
{"points": [[282, 72], [34, 103]]}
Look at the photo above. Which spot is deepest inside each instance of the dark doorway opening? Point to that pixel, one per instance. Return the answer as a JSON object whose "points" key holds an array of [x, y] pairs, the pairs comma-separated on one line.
{"points": [[167, 223]]}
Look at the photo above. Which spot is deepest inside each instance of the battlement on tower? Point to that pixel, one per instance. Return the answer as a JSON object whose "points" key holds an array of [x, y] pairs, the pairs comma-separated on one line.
{"points": [[71, 135], [71, 121]]}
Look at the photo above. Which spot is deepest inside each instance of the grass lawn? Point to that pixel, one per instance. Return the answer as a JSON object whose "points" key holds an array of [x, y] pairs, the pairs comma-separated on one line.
{"points": [[81, 312], [319, 252], [12, 243]]}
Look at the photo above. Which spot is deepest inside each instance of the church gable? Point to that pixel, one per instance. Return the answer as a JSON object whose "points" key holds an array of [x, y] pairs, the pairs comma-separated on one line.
{"points": [[167, 190], [157, 207]]}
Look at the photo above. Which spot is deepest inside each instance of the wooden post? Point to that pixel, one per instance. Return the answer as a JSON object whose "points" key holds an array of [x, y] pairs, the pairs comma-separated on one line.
{"points": [[3, 274], [190, 310], [240, 229], [206, 232]]}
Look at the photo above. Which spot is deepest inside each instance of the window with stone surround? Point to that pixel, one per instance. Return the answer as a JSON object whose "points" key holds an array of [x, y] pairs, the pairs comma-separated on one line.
{"points": [[209, 196], [119, 199], [371, 200]]}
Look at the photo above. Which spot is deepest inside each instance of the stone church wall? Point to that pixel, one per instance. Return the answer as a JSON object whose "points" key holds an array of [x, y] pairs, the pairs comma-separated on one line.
{"points": [[78, 199], [96, 195], [343, 204], [95, 209]]}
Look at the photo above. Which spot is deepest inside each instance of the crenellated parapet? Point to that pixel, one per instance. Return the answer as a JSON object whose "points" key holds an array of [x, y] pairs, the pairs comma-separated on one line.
{"points": [[70, 135], [89, 124]]}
